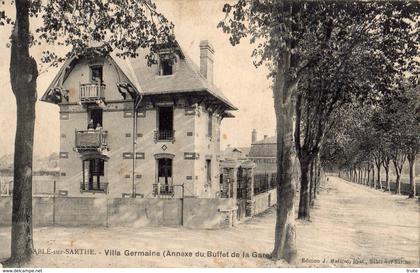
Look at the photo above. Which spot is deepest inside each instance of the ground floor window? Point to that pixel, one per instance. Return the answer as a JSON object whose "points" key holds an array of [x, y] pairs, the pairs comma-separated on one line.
{"points": [[164, 176], [93, 175]]}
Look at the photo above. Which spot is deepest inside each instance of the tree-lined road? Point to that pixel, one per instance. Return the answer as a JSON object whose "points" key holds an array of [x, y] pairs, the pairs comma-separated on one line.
{"points": [[356, 221]]}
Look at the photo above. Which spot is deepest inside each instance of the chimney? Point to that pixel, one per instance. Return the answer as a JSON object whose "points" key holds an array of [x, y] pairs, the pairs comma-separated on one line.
{"points": [[265, 136], [206, 60], [253, 136]]}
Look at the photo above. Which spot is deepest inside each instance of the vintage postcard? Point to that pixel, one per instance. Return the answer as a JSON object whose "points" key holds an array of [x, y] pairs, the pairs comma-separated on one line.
{"points": [[199, 133]]}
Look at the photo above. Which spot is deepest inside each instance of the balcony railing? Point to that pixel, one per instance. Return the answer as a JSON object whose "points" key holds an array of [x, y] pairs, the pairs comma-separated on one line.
{"points": [[90, 139], [91, 92], [102, 187], [163, 190], [165, 135]]}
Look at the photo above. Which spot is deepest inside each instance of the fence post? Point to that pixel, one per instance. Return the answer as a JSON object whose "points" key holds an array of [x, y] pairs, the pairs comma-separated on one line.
{"points": [[182, 205], [54, 194]]}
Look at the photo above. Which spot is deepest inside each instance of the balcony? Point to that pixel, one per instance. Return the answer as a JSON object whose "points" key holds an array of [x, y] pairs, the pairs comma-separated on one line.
{"points": [[163, 190], [165, 135], [91, 140], [94, 187], [91, 92]]}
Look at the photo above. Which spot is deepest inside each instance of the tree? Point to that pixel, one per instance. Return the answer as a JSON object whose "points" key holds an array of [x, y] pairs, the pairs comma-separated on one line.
{"points": [[293, 37], [402, 114], [74, 24], [259, 19], [352, 65]]}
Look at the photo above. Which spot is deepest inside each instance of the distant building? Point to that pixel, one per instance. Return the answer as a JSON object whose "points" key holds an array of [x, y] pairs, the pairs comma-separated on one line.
{"points": [[263, 154], [235, 152]]}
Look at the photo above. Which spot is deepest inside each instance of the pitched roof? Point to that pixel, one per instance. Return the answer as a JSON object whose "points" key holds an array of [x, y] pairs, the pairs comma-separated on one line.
{"points": [[244, 150], [264, 148], [186, 77], [229, 152]]}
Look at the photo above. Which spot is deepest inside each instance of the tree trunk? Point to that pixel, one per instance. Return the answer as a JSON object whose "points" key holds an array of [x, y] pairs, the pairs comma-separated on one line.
{"points": [[304, 202], [378, 166], [388, 186], [318, 184], [317, 176], [398, 184], [411, 161], [385, 164], [285, 231], [23, 74], [353, 179], [368, 176], [311, 185], [357, 176], [364, 176], [396, 162], [373, 177]]}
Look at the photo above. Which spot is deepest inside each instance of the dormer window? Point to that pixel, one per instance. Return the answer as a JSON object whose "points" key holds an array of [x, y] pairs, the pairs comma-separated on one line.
{"points": [[166, 64]]}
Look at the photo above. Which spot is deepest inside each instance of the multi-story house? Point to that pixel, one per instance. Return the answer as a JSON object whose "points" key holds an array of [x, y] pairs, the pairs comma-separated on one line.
{"points": [[130, 129]]}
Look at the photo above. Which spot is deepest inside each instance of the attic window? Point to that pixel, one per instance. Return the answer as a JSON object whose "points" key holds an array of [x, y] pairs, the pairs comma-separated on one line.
{"points": [[166, 64], [96, 74]]}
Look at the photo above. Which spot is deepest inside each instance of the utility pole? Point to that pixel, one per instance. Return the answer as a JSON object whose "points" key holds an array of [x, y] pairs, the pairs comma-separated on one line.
{"points": [[136, 104]]}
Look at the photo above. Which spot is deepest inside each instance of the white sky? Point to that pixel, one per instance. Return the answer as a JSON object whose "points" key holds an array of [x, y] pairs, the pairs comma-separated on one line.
{"points": [[195, 20]]}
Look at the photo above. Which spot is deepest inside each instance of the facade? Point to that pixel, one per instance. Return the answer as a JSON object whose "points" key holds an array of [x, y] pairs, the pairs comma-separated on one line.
{"points": [[129, 129], [263, 154]]}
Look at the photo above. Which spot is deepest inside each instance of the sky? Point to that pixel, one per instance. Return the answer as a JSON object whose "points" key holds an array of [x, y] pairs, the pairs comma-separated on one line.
{"points": [[195, 20]]}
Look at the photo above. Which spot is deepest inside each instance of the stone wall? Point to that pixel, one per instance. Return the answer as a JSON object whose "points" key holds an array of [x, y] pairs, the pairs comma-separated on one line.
{"points": [[5, 211], [263, 201], [200, 213], [145, 212]]}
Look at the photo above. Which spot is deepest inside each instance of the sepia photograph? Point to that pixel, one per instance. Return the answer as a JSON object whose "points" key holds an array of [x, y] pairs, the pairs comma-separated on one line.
{"points": [[209, 134]]}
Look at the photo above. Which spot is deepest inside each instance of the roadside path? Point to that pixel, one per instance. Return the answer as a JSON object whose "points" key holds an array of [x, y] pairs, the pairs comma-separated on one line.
{"points": [[355, 221]]}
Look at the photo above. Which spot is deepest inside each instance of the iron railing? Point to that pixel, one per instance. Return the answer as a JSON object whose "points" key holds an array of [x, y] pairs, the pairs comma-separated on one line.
{"points": [[264, 182], [164, 135], [94, 187], [90, 139], [163, 190]]}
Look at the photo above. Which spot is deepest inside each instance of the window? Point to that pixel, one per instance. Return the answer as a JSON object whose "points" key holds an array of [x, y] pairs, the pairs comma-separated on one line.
{"points": [[164, 173], [96, 74], [165, 123], [166, 64], [165, 170], [95, 118], [93, 171], [210, 125], [166, 67], [208, 170]]}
